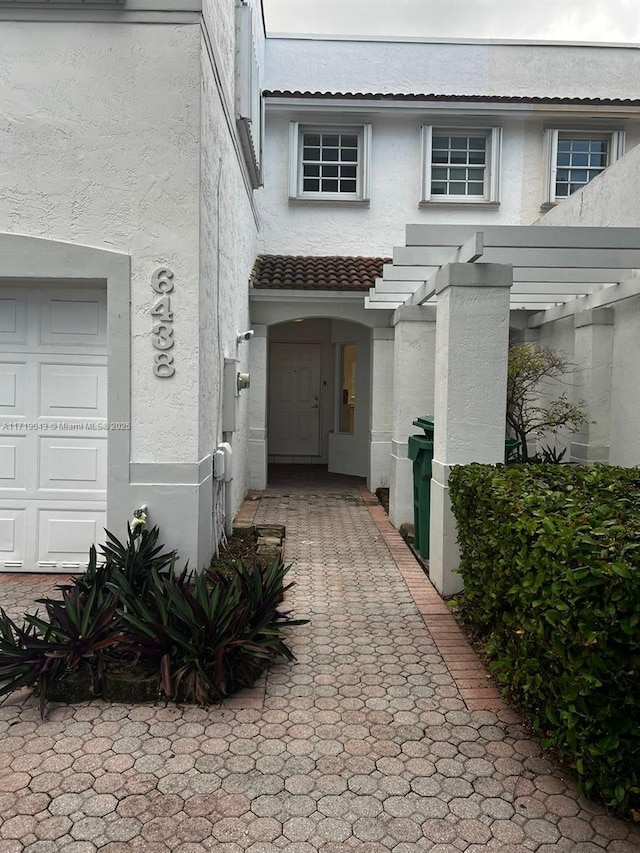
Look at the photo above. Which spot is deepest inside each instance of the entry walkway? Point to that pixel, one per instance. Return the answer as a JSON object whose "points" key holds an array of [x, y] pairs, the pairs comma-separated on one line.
{"points": [[385, 735]]}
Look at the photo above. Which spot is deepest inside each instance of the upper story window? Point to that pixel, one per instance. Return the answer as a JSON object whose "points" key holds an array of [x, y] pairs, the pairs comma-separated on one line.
{"points": [[460, 164], [576, 157], [330, 163]]}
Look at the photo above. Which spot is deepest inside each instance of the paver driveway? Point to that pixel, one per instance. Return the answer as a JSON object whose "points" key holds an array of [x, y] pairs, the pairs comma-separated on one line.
{"points": [[366, 744]]}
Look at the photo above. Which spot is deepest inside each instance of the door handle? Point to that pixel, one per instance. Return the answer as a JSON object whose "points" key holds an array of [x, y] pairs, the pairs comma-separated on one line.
{"points": [[316, 406]]}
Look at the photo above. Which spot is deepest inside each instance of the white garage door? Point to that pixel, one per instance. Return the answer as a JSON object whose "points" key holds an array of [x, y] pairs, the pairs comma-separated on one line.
{"points": [[53, 441]]}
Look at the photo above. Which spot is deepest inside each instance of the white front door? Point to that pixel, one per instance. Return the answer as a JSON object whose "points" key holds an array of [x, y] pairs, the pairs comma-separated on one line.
{"points": [[294, 399], [53, 419]]}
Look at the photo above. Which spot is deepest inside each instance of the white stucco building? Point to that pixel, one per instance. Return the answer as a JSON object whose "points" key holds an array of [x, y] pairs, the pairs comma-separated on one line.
{"points": [[132, 143], [129, 153]]}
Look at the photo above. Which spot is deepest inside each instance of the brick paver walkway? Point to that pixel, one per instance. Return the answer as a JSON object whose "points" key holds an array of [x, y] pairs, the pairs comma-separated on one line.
{"points": [[385, 735]]}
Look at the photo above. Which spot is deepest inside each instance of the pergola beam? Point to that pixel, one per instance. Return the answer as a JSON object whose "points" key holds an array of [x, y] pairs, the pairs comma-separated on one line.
{"points": [[601, 299]]}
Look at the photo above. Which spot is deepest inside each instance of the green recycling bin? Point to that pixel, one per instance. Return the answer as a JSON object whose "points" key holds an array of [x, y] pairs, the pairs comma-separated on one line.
{"points": [[510, 446], [420, 452]]}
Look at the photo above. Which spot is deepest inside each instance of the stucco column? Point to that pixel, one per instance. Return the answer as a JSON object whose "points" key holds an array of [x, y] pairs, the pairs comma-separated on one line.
{"points": [[258, 408], [413, 383], [472, 339], [381, 408], [593, 354]]}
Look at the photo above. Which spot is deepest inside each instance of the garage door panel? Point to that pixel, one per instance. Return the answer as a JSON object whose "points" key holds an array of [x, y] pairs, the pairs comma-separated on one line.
{"points": [[74, 319], [12, 537], [65, 536], [13, 317], [13, 463], [73, 391], [73, 464], [53, 384], [13, 380]]}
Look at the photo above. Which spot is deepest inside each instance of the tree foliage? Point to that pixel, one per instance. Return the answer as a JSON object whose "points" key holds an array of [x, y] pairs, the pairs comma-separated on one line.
{"points": [[527, 415]]}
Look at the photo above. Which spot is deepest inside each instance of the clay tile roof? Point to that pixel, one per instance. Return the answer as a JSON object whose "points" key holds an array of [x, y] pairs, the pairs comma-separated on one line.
{"points": [[310, 272], [432, 96]]}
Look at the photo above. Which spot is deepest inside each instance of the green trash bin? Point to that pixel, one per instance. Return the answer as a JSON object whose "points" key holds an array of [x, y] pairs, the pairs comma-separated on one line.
{"points": [[511, 444], [420, 452]]}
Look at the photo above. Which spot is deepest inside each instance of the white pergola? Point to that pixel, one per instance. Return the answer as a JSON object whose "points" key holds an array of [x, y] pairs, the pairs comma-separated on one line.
{"points": [[457, 285], [551, 265]]}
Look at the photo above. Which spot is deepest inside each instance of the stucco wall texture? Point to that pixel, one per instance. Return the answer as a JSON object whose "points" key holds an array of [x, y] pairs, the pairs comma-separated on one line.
{"points": [[121, 136], [325, 65], [100, 137], [339, 228], [613, 199]]}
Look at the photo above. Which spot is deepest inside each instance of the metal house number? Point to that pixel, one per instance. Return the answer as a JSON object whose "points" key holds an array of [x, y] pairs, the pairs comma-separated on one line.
{"points": [[162, 329]]}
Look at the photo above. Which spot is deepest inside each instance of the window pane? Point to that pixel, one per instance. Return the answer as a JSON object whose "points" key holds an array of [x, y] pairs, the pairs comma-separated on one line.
{"points": [[476, 189], [330, 186], [564, 145], [580, 144], [475, 174], [348, 172], [311, 139], [580, 160], [349, 141], [477, 157], [439, 157], [457, 188], [459, 142], [330, 139], [564, 159], [350, 155], [347, 186], [310, 186], [330, 154], [477, 143], [329, 171], [439, 174], [440, 142], [311, 154], [458, 156], [438, 188], [311, 171], [457, 174]]}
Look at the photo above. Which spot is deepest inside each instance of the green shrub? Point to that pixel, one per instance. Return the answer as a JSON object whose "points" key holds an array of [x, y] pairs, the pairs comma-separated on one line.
{"points": [[205, 635], [550, 558]]}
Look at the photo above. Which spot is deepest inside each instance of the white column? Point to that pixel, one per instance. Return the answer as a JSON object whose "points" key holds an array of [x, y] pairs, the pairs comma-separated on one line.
{"points": [[381, 408], [472, 339], [413, 383], [593, 355], [258, 408]]}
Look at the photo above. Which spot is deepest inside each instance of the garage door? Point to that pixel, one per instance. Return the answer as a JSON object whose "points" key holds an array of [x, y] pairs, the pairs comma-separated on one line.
{"points": [[53, 417]]}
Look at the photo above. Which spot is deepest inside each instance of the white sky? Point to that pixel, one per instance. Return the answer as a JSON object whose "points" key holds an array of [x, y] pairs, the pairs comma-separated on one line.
{"points": [[555, 20]]}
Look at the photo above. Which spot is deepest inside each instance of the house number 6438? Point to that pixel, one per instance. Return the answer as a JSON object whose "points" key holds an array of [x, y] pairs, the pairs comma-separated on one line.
{"points": [[162, 329]]}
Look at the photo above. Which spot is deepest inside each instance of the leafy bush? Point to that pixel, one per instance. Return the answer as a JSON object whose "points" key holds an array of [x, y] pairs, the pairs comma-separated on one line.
{"points": [[205, 635], [550, 558]]}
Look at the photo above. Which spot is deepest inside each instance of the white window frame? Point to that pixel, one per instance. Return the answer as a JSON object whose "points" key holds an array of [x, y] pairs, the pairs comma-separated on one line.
{"points": [[363, 171], [616, 139], [491, 195]]}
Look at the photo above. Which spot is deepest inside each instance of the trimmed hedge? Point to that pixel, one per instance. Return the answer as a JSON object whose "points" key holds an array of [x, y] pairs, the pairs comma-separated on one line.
{"points": [[550, 557]]}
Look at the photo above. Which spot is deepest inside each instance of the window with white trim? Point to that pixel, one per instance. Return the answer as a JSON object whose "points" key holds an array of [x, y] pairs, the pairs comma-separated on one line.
{"points": [[576, 157], [330, 163], [461, 164]]}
